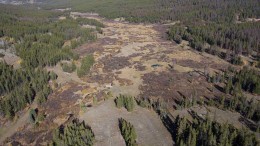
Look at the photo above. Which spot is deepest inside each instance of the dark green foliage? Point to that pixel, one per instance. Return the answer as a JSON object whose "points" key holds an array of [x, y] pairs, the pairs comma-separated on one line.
{"points": [[202, 132], [249, 80], [43, 94], [158, 105], [74, 133], [145, 102], [125, 101], [68, 67], [19, 87], [53, 75], [228, 86], [187, 103], [240, 38], [128, 132], [86, 63], [46, 47], [237, 60], [38, 37], [32, 115], [161, 10], [246, 79], [99, 30], [40, 41], [249, 109]]}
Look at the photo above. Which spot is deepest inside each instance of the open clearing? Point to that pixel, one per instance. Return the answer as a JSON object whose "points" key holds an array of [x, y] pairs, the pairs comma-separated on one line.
{"points": [[103, 120]]}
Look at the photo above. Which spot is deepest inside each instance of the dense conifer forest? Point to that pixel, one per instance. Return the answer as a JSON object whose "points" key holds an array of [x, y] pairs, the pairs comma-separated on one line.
{"points": [[161, 10], [74, 133], [39, 40], [205, 132], [20, 87]]}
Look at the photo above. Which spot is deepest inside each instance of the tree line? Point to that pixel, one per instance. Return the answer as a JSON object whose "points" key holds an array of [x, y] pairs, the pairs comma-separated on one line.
{"points": [[210, 37], [86, 64], [246, 79], [20, 87], [205, 132], [128, 132], [163, 10], [74, 133], [125, 101], [41, 42]]}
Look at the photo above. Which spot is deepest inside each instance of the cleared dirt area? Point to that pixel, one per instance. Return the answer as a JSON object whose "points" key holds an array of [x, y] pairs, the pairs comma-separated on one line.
{"points": [[103, 120], [64, 77], [219, 115]]}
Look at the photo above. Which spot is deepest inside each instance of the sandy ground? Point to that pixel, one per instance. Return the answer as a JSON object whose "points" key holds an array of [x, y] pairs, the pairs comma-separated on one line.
{"points": [[10, 59], [64, 77], [103, 120], [219, 115]]}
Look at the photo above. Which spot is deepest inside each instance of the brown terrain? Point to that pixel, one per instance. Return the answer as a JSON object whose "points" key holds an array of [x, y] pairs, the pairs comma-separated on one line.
{"points": [[131, 59]]}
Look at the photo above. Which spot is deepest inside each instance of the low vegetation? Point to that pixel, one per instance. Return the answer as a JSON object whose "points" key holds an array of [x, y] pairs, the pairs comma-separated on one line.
{"points": [[128, 132], [66, 67], [35, 117], [125, 101], [74, 133]]}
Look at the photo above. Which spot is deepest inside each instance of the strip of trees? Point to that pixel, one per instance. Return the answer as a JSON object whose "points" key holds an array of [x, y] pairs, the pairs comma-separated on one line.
{"points": [[237, 39], [128, 132], [66, 67], [125, 101], [163, 10], [41, 41], [86, 64], [246, 79], [74, 133], [205, 132], [20, 87]]}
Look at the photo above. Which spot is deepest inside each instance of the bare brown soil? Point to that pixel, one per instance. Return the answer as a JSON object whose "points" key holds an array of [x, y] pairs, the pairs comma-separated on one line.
{"points": [[103, 120]]}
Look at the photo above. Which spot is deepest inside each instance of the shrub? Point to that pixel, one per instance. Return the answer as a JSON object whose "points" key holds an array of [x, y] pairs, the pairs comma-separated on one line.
{"points": [[125, 101], [68, 68], [86, 64], [128, 132], [32, 115]]}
